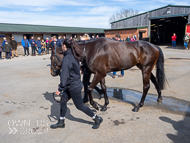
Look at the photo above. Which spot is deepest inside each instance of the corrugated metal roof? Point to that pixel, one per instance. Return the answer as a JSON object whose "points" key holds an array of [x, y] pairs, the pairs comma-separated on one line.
{"points": [[23, 28], [149, 11]]}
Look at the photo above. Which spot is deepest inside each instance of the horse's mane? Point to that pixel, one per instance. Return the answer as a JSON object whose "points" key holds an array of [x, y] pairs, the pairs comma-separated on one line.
{"points": [[77, 51]]}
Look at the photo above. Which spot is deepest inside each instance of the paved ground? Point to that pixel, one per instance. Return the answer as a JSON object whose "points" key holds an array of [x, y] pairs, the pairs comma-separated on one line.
{"points": [[28, 109]]}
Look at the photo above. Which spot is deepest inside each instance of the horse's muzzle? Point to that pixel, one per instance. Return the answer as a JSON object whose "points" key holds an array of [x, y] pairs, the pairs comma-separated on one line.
{"points": [[55, 72]]}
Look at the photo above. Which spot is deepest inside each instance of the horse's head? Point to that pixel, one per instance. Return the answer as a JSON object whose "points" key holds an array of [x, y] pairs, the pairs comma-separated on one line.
{"points": [[56, 60]]}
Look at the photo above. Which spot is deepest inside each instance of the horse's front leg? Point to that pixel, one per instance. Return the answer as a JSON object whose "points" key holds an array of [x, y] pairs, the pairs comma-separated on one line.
{"points": [[97, 78], [103, 86]]}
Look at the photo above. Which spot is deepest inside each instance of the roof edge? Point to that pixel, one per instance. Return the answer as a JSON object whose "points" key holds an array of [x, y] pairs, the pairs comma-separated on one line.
{"points": [[126, 28], [148, 11], [49, 25]]}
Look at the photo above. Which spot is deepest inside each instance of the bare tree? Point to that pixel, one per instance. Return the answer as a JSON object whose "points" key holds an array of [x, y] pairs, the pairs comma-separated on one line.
{"points": [[123, 14]]}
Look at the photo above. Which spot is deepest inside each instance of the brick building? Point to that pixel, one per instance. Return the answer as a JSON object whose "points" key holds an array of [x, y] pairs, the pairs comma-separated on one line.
{"points": [[156, 26]]}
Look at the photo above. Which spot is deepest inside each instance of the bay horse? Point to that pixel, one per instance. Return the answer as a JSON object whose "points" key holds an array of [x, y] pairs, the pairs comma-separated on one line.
{"points": [[105, 55]]}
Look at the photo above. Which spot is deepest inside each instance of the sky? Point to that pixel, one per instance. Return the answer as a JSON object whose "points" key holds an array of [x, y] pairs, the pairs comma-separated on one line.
{"points": [[73, 13]]}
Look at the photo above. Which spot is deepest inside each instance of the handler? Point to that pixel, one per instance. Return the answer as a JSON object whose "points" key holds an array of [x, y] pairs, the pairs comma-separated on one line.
{"points": [[71, 86]]}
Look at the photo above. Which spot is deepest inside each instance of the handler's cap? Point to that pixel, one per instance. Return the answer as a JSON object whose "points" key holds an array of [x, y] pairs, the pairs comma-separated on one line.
{"points": [[12, 37], [4, 38]]}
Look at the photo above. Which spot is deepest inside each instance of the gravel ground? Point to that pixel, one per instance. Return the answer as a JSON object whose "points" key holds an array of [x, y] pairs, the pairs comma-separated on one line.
{"points": [[28, 109]]}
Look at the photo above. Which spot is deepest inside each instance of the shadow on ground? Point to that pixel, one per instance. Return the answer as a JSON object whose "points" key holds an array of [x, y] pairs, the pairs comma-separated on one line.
{"points": [[55, 111], [182, 127]]}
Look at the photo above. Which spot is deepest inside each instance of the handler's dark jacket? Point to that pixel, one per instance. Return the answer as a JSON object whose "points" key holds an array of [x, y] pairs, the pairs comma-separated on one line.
{"points": [[13, 44], [70, 73]]}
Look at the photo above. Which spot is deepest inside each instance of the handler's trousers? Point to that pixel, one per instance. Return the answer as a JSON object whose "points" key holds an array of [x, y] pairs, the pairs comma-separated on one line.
{"points": [[76, 96]]}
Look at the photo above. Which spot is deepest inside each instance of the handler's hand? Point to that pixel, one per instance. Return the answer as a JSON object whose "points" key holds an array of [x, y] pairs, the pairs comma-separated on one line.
{"points": [[57, 92]]}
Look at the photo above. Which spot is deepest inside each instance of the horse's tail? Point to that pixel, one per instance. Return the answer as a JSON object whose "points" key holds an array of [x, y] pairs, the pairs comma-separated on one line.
{"points": [[160, 74]]}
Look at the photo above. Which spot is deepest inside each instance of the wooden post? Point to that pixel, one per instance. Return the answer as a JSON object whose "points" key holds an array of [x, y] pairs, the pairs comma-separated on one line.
{"points": [[149, 29]]}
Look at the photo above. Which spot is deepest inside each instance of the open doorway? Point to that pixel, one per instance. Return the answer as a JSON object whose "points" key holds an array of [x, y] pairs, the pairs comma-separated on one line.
{"points": [[162, 29], [28, 36]]}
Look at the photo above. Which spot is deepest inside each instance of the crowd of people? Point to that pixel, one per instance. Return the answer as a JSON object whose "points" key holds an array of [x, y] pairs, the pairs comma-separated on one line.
{"points": [[42, 46], [132, 38]]}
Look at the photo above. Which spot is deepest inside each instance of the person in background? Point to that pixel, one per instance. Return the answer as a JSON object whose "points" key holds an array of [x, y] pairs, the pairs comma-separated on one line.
{"points": [[80, 39], [1, 49], [75, 38], [51, 39], [97, 36], [38, 44], [13, 44], [63, 37], [33, 46], [132, 38], [4, 40], [93, 37], [8, 49], [174, 37], [186, 41], [128, 38], [25, 44], [43, 47], [118, 38], [135, 37], [70, 38], [55, 42], [59, 38], [47, 45]]}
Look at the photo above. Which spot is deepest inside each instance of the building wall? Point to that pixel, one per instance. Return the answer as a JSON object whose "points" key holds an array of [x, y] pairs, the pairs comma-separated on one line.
{"points": [[46, 36], [38, 35], [124, 33], [145, 34], [142, 20], [18, 37]]}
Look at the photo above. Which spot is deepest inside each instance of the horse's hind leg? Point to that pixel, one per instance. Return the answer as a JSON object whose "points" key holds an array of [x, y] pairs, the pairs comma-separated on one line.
{"points": [[146, 72], [103, 86], [154, 81], [97, 78]]}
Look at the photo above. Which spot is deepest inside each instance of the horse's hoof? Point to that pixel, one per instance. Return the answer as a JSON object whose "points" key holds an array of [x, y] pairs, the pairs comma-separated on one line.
{"points": [[85, 100], [104, 108], [159, 100], [135, 109], [95, 106]]}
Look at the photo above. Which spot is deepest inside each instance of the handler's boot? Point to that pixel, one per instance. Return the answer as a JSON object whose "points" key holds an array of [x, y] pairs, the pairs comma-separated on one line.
{"points": [[60, 124], [98, 121]]}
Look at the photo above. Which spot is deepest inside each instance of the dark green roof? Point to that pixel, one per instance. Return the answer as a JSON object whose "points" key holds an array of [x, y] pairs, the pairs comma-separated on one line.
{"points": [[167, 16], [149, 11], [23, 28], [125, 28]]}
